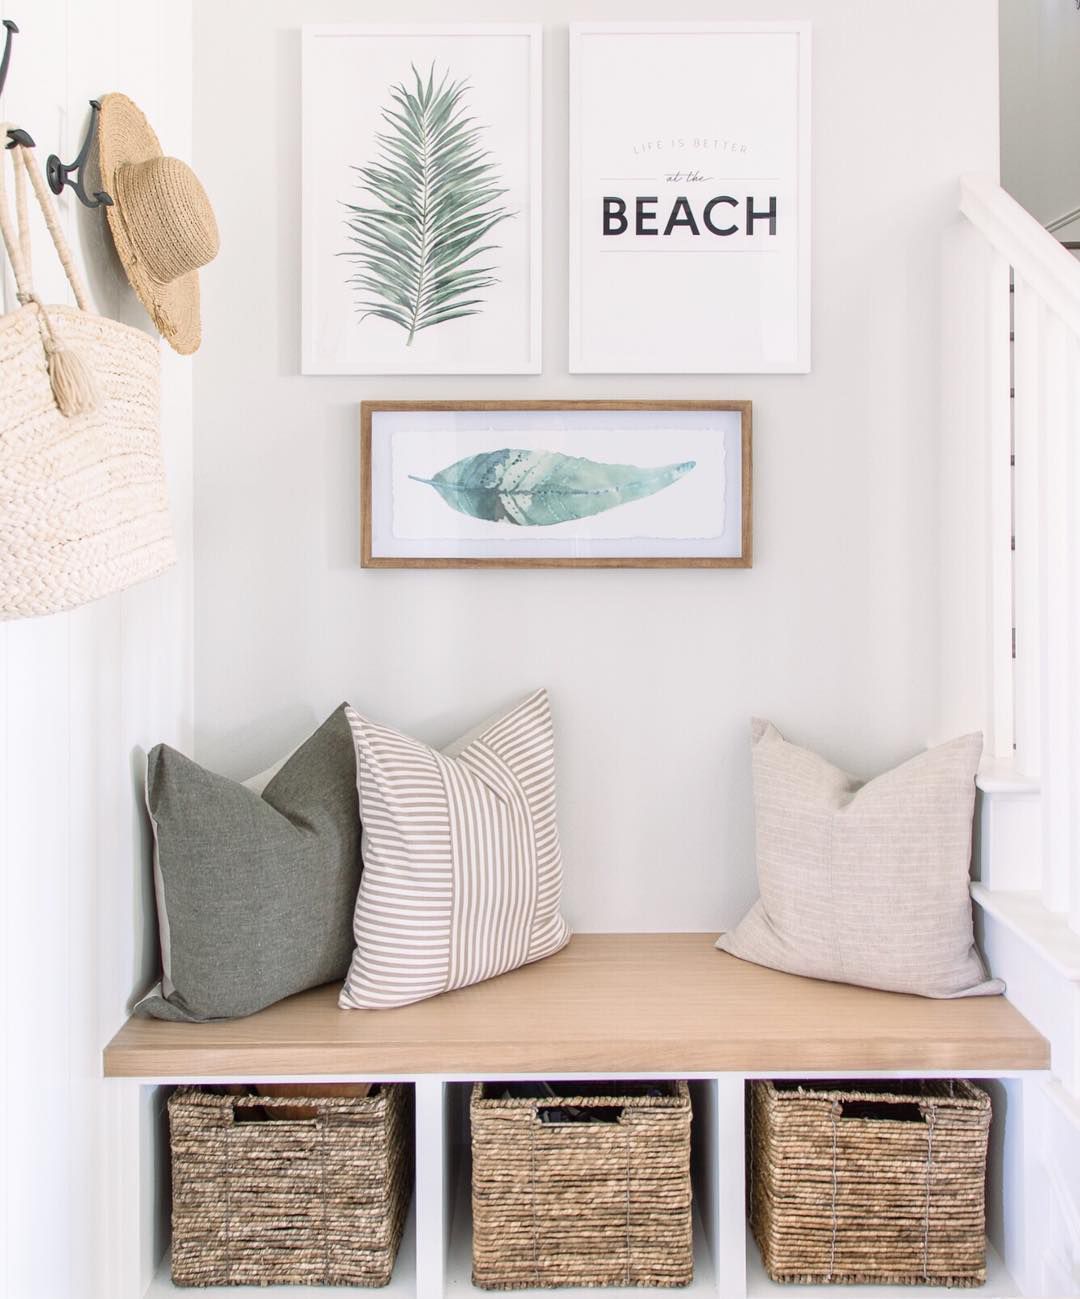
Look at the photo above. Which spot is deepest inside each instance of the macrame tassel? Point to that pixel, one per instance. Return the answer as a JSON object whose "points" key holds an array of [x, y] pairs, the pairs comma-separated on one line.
{"points": [[72, 380]]}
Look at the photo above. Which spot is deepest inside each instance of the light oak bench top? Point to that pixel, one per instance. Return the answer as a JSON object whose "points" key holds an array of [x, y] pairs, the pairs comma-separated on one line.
{"points": [[608, 1003]]}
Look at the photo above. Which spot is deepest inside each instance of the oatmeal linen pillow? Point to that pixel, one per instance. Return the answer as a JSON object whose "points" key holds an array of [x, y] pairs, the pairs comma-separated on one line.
{"points": [[462, 867], [864, 883]]}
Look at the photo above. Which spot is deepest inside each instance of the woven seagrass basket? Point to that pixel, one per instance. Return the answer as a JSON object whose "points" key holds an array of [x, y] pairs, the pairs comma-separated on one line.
{"points": [[298, 1201], [580, 1203], [870, 1182]]}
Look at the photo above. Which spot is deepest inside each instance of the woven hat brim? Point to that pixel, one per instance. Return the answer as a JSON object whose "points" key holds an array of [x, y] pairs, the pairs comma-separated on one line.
{"points": [[125, 136]]}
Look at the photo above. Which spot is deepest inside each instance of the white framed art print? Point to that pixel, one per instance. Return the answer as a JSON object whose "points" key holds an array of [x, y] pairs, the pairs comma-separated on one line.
{"points": [[689, 198], [421, 199]]}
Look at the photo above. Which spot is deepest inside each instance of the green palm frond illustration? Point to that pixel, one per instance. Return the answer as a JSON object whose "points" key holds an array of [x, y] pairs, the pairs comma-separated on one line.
{"points": [[418, 252]]}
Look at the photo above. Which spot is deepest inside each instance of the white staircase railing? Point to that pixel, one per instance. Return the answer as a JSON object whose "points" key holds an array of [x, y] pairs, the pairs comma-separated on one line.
{"points": [[1011, 510]]}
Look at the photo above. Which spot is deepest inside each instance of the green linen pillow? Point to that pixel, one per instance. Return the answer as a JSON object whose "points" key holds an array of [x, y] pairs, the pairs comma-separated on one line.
{"points": [[255, 891]]}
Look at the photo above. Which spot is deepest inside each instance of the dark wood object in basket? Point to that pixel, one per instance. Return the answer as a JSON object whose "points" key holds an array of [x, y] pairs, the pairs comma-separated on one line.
{"points": [[316, 1201], [582, 1203], [862, 1183]]}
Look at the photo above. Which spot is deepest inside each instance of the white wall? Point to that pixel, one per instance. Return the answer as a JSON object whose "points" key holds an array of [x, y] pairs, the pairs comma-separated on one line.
{"points": [[653, 675], [1040, 107], [81, 696]]}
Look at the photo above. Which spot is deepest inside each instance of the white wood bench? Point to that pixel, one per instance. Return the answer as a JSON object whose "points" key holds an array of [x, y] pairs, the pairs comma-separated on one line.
{"points": [[624, 1005]]}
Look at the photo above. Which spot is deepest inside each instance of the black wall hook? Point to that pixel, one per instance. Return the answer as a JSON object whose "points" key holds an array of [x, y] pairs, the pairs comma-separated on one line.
{"points": [[60, 174], [16, 135], [12, 30]]}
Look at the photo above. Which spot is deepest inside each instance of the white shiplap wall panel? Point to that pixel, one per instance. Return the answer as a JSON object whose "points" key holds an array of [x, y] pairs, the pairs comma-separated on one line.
{"points": [[82, 696]]}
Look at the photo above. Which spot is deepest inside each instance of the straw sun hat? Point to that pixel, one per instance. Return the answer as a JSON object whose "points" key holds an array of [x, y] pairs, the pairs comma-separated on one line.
{"points": [[161, 221]]}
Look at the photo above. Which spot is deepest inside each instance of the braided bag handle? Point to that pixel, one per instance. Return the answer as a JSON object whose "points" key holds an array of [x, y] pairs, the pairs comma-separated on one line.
{"points": [[73, 385]]}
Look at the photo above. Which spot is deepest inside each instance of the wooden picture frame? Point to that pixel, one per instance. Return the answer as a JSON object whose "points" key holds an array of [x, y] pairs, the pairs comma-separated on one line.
{"points": [[705, 521]]}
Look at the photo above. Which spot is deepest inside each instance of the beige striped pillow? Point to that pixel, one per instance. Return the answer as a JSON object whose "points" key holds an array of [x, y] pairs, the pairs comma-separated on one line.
{"points": [[462, 866]]}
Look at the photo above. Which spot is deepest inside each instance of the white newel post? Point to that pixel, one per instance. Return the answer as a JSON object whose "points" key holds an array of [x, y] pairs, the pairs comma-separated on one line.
{"points": [[1002, 728], [1031, 556], [1057, 666], [1072, 544], [969, 694], [1027, 324]]}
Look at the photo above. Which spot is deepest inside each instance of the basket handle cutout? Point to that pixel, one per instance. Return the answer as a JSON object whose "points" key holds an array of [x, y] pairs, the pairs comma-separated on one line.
{"points": [[577, 1116], [262, 1112], [882, 1111]]}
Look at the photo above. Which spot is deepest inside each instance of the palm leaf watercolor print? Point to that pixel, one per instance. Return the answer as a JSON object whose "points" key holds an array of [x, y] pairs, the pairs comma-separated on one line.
{"points": [[421, 251], [539, 488]]}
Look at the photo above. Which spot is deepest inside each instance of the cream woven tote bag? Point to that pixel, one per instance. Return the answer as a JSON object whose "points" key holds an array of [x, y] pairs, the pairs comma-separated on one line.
{"points": [[83, 505]]}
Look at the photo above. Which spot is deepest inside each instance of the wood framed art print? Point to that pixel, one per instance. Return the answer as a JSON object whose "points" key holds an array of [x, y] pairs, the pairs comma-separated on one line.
{"points": [[550, 484]]}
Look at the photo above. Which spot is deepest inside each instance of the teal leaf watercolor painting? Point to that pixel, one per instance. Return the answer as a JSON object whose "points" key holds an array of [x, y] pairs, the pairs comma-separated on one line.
{"points": [[421, 198], [541, 488], [550, 484], [424, 243]]}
